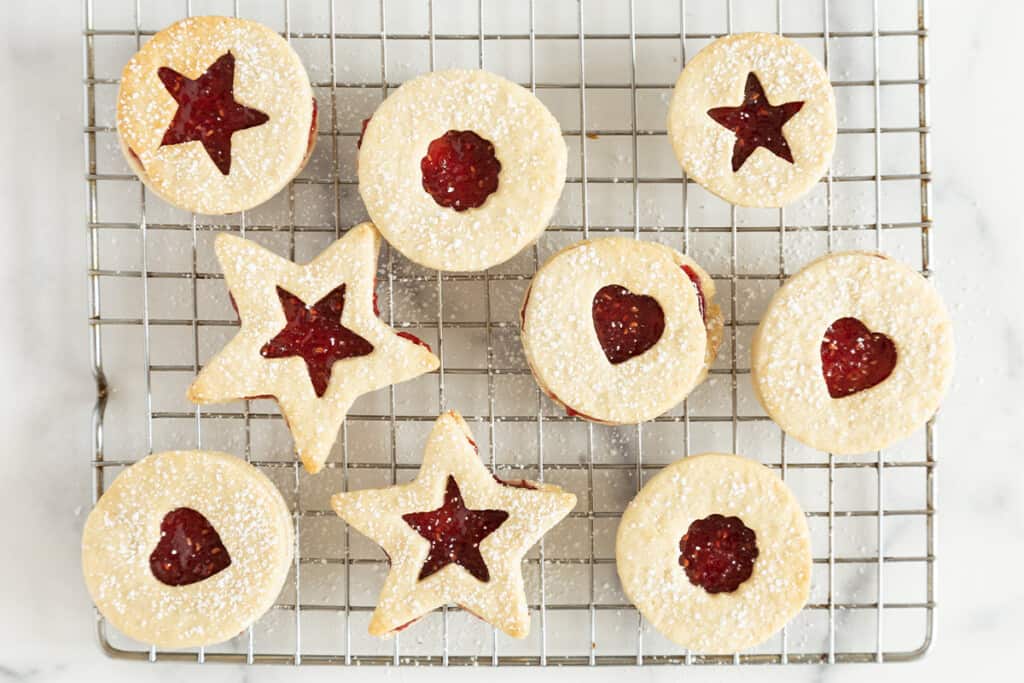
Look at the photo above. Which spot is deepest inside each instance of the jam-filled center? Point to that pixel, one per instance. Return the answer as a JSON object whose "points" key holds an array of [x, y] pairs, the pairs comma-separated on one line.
{"points": [[455, 533], [695, 279], [460, 170], [315, 334], [718, 553], [626, 324], [362, 132], [853, 358], [757, 123], [189, 550], [207, 110]]}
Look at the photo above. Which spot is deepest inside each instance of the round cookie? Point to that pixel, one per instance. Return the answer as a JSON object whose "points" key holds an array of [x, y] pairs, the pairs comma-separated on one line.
{"points": [[216, 114], [722, 597], [187, 548], [854, 353], [753, 119], [618, 330], [461, 169]]}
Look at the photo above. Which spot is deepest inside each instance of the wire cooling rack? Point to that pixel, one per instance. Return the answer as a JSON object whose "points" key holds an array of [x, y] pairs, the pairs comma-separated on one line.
{"points": [[158, 310]]}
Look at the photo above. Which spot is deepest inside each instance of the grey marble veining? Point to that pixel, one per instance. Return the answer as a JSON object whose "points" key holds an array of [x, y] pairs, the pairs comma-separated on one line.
{"points": [[979, 242]]}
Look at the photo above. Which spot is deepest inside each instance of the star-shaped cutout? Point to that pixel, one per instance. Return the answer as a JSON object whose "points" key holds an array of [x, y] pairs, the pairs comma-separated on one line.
{"points": [[315, 334], [256, 362], [757, 123], [207, 110], [455, 534]]}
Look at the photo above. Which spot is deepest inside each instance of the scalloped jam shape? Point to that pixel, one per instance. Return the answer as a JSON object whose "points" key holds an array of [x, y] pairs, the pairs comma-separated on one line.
{"points": [[718, 553], [460, 170]]}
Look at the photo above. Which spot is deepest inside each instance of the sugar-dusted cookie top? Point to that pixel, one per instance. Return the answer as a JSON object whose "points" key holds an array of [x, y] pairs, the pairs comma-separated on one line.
{"points": [[461, 169], [216, 114]]}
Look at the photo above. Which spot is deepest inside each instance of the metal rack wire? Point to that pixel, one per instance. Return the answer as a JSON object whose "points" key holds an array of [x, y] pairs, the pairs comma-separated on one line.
{"points": [[156, 302]]}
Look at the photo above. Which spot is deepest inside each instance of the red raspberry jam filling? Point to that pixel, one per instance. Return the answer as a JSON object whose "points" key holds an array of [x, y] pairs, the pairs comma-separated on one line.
{"points": [[627, 324], [515, 483], [569, 410], [522, 309], [757, 123], [460, 170], [315, 333], [207, 110], [718, 553], [309, 143], [311, 139], [415, 340], [362, 132], [407, 624], [853, 358], [135, 157], [189, 550], [404, 626], [572, 412], [455, 533], [695, 279]]}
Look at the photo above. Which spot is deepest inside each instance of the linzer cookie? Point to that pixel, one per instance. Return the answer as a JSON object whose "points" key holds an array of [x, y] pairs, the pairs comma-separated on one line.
{"points": [[310, 337], [455, 534], [715, 552], [619, 331], [753, 119], [216, 114], [187, 548], [461, 169], [854, 353]]}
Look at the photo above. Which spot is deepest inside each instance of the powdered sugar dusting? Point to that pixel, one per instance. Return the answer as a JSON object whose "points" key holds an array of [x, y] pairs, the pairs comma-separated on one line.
{"points": [[120, 534], [887, 297], [715, 78], [647, 553], [377, 513], [253, 274], [562, 346], [527, 142], [268, 76]]}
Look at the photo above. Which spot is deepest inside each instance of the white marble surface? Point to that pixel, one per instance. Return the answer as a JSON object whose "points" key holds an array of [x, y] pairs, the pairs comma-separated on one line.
{"points": [[45, 619]]}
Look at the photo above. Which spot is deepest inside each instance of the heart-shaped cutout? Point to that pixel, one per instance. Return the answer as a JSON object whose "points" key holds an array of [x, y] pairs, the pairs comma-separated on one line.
{"points": [[189, 550], [853, 358], [627, 324]]}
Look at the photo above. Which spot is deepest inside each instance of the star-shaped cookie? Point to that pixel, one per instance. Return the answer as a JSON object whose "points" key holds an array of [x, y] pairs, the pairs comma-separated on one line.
{"points": [[310, 337], [455, 534]]}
